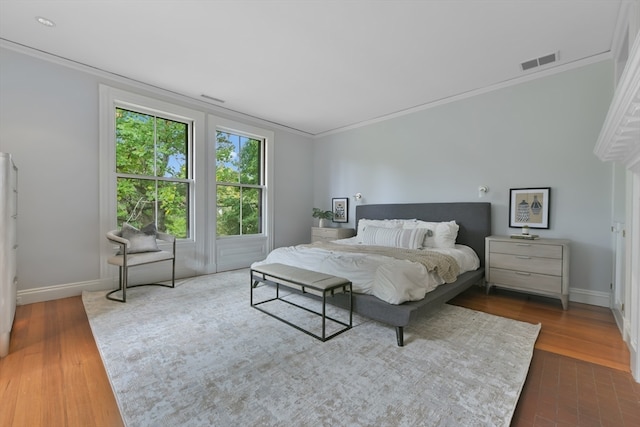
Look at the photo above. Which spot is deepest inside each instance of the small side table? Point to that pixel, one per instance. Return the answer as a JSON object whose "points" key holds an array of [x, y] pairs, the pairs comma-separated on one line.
{"points": [[539, 266]]}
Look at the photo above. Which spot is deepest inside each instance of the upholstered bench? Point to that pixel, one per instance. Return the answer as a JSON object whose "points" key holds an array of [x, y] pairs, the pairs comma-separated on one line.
{"points": [[307, 282]]}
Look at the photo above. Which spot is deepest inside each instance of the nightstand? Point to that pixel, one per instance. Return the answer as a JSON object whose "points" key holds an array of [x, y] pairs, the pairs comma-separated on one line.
{"points": [[539, 266], [319, 234]]}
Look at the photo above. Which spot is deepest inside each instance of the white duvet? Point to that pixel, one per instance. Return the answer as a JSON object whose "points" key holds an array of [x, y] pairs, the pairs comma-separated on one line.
{"points": [[392, 280]]}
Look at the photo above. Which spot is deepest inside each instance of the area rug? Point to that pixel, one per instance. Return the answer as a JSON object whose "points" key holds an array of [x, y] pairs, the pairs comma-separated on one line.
{"points": [[199, 355]]}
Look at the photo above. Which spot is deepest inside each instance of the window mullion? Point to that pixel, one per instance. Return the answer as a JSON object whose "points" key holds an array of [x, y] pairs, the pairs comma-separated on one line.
{"points": [[150, 178], [155, 167], [240, 218], [235, 184]]}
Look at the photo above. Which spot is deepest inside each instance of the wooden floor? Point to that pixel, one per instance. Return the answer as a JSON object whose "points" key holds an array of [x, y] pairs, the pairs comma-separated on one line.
{"points": [[584, 332], [53, 375], [579, 375]]}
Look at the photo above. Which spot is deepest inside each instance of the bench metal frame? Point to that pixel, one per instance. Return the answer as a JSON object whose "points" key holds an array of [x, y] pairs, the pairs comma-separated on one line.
{"points": [[257, 277]]}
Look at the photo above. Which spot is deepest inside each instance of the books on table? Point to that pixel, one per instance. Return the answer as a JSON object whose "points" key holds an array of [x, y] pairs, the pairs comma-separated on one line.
{"points": [[525, 236]]}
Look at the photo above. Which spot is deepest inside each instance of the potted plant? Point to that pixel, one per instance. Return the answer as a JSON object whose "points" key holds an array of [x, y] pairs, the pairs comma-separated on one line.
{"points": [[323, 216]]}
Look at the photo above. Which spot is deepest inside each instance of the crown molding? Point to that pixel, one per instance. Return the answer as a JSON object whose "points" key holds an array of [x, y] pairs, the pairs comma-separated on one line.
{"points": [[469, 94], [619, 138], [153, 90]]}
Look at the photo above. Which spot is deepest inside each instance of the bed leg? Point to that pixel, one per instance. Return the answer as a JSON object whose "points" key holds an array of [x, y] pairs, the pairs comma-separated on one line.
{"points": [[400, 336]]}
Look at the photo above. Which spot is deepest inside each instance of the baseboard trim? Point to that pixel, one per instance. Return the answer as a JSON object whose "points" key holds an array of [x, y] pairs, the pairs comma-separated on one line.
{"points": [[48, 293], [586, 296], [633, 352], [620, 322]]}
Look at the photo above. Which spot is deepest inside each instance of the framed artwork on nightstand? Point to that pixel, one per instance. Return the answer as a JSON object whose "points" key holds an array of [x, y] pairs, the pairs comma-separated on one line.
{"points": [[530, 207], [340, 209]]}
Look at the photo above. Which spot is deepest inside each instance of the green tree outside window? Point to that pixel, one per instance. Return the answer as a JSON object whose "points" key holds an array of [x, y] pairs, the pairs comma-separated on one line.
{"points": [[152, 171], [239, 184]]}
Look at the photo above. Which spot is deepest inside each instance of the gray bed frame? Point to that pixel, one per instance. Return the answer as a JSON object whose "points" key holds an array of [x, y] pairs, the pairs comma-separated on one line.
{"points": [[474, 220]]}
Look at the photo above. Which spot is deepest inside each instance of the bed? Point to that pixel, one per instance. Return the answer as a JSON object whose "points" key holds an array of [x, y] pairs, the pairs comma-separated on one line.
{"points": [[473, 222]]}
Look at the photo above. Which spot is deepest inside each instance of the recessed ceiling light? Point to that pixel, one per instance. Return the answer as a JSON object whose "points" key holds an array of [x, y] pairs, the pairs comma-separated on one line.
{"points": [[46, 22]]}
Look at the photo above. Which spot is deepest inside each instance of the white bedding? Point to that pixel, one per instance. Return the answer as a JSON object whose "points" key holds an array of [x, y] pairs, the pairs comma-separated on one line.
{"points": [[392, 280]]}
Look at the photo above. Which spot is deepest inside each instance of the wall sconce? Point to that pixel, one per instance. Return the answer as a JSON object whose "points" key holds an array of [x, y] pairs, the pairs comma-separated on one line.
{"points": [[357, 196], [482, 190]]}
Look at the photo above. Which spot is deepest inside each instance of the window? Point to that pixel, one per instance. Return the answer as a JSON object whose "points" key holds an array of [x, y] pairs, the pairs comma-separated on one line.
{"points": [[153, 170], [156, 163], [239, 184]]}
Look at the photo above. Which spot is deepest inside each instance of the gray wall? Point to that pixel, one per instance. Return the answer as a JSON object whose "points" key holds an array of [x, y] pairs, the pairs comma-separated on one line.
{"points": [[539, 133], [49, 122]]}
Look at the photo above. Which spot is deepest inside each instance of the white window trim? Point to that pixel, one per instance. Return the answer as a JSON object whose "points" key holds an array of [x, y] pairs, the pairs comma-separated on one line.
{"points": [[218, 123], [190, 159], [109, 99]]}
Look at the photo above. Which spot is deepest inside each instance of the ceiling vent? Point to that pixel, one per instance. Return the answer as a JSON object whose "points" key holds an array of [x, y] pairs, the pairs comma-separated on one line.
{"points": [[205, 96], [538, 62]]}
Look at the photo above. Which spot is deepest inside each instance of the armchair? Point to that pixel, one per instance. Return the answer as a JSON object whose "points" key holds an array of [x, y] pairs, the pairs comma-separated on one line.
{"points": [[128, 256]]}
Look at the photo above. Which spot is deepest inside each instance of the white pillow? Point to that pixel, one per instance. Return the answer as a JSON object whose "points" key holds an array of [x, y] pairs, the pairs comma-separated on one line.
{"points": [[441, 235], [143, 240], [408, 238], [384, 223]]}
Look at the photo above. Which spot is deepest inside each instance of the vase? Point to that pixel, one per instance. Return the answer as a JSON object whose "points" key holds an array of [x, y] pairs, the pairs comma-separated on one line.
{"points": [[536, 206], [522, 214], [324, 223]]}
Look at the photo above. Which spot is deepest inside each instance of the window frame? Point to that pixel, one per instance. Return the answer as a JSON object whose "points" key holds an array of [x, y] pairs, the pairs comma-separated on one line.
{"points": [[203, 253], [109, 99], [228, 250], [190, 180], [262, 186]]}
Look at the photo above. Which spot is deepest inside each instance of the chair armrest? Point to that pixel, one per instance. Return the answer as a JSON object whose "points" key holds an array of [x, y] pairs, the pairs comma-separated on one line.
{"points": [[166, 237], [112, 237]]}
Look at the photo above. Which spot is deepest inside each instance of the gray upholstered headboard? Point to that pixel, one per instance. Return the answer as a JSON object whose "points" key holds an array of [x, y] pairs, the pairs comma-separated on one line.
{"points": [[474, 219]]}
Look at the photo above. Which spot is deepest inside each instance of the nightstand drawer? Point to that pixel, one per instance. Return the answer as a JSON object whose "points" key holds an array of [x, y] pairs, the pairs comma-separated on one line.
{"points": [[327, 234], [527, 249], [526, 281], [526, 263]]}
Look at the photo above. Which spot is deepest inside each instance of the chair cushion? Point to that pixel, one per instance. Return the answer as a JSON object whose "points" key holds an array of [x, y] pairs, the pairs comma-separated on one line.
{"points": [[140, 258], [143, 240]]}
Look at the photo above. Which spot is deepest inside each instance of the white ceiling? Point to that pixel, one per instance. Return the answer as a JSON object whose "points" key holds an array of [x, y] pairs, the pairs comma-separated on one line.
{"points": [[321, 65]]}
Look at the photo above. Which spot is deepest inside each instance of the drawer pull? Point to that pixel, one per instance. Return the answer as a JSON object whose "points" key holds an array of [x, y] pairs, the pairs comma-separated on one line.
{"points": [[523, 244], [522, 273], [523, 257]]}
